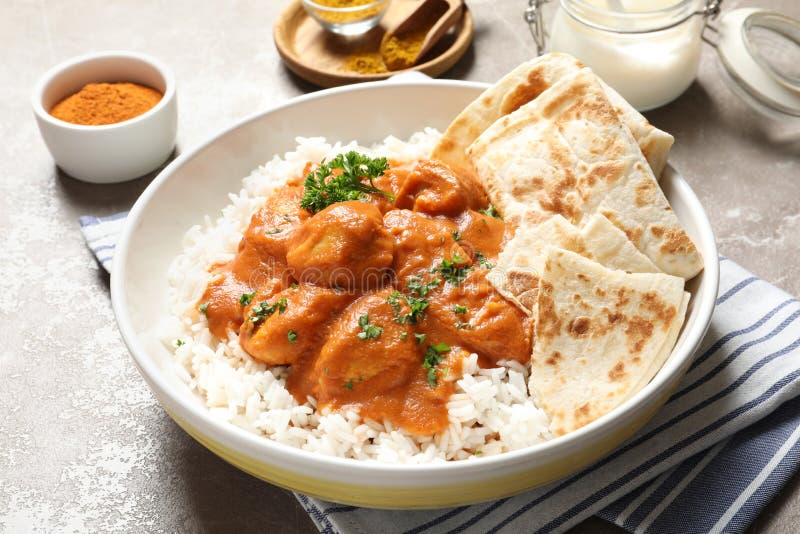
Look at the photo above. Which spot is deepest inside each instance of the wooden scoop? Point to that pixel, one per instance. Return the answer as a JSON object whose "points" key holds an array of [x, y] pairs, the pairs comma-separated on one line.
{"points": [[402, 46]]}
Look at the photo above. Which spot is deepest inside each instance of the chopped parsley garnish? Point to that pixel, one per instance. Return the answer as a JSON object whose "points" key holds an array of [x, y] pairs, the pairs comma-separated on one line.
{"points": [[349, 385], [274, 231], [415, 285], [430, 376], [463, 325], [403, 335], [291, 336], [294, 285], [457, 235], [482, 261], [478, 452], [420, 338], [433, 357], [491, 212], [368, 331], [246, 298], [459, 309], [393, 300], [264, 309], [322, 188], [203, 308], [453, 271], [179, 342], [417, 306]]}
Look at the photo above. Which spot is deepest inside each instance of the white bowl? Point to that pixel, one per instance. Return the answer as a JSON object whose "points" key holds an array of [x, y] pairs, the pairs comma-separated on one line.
{"points": [[366, 112], [114, 152]]}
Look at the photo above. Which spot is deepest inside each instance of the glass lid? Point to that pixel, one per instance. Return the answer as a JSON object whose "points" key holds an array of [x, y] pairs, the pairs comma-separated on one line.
{"points": [[760, 50]]}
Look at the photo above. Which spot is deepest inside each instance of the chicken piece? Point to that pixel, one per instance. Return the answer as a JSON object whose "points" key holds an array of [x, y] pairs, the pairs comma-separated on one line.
{"points": [[481, 233], [421, 242], [435, 188], [269, 233], [290, 324], [345, 245], [474, 315], [260, 262], [391, 181], [221, 300], [367, 353]]}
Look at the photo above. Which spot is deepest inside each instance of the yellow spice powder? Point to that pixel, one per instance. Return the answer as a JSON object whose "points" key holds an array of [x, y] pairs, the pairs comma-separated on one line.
{"points": [[401, 51], [365, 63], [352, 16], [342, 3]]}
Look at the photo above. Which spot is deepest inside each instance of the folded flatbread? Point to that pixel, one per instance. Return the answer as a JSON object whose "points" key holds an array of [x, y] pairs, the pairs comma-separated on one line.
{"points": [[609, 246], [601, 335], [516, 273], [527, 82], [567, 153]]}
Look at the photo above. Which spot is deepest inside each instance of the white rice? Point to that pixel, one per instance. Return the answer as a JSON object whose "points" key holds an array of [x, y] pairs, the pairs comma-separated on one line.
{"points": [[492, 410]]}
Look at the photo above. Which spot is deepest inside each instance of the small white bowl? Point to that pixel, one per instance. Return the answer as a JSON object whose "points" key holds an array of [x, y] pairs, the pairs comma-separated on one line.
{"points": [[113, 152]]}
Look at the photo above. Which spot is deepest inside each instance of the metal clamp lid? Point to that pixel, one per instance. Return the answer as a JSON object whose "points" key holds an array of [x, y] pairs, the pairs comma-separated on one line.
{"points": [[534, 18]]}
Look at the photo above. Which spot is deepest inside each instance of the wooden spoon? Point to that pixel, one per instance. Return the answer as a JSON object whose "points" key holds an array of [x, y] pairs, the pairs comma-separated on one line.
{"points": [[432, 18]]}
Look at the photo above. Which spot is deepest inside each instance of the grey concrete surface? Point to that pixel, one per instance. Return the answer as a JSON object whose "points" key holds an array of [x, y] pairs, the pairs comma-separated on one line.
{"points": [[84, 446]]}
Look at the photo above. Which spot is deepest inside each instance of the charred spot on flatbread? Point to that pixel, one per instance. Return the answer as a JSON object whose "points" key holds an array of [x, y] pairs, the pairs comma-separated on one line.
{"points": [[617, 372], [534, 84], [579, 326]]}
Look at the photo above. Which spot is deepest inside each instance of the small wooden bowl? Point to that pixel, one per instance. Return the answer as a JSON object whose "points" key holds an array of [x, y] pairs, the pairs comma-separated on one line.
{"points": [[319, 56]]}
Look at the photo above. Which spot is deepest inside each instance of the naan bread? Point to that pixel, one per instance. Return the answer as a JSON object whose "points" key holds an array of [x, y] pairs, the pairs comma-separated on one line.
{"points": [[567, 153], [666, 349], [527, 82], [601, 335], [642, 212], [516, 273], [609, 246]]}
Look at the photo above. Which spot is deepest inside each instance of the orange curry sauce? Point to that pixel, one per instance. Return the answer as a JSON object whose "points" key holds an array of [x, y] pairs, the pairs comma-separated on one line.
{"points": [[317, 277]]}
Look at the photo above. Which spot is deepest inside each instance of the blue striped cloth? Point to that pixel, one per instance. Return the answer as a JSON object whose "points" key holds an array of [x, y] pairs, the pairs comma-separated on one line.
{"points": [[721, 448], [101, 235]]}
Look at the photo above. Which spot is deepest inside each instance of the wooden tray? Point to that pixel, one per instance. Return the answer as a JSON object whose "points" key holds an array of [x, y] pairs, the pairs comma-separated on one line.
{"points": [[319, 56]]}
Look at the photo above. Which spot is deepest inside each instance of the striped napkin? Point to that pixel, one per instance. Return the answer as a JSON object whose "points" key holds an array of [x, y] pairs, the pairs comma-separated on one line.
{"points": [[101, 235], [709, 461]]}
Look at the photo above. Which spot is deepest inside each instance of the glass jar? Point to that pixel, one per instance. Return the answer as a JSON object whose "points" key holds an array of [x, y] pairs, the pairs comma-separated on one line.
{"points": [[649, 51]]}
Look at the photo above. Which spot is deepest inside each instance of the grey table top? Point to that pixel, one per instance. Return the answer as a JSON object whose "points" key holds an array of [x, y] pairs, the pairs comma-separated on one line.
{"points": [[83, 444]]}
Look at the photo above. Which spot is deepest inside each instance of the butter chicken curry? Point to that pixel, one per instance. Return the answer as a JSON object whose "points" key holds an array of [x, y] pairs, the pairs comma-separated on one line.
{"points": [[370, 283]]}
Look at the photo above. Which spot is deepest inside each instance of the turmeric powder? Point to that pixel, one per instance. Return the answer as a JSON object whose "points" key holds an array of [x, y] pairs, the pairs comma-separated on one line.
{"points": [[356, 15], [106, 103], [342, 3], [402, 51], [365, 63]]}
